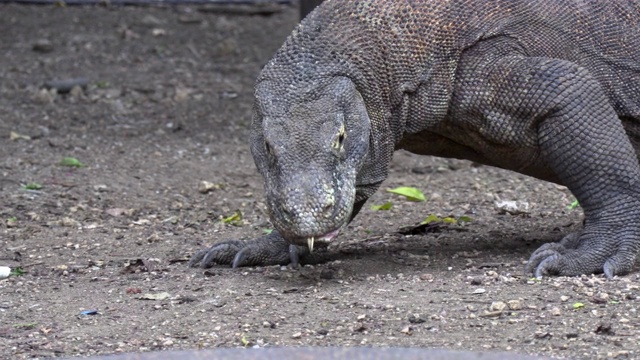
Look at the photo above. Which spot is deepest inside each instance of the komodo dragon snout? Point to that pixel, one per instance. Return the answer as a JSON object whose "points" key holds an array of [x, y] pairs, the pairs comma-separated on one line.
{"points": [[309, 151]]}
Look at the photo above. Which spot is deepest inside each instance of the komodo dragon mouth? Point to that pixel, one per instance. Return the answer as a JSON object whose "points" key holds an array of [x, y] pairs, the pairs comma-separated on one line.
{"points": [[324, 238]]}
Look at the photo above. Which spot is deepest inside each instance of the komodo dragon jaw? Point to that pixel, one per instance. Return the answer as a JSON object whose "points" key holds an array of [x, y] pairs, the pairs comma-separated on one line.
{"points": [[309, 150]]}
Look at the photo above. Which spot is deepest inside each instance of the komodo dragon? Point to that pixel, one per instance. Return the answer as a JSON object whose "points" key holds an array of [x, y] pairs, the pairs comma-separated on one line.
{"points": [[319, 353], [547, 88]]}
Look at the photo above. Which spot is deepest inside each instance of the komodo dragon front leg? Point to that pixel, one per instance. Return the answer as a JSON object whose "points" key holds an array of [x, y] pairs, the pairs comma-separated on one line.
{"points": [[271, 249], [550, 118]]}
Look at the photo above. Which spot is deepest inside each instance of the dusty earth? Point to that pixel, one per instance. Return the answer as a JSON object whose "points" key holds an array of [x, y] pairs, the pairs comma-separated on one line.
{"points": [[166, 107]]}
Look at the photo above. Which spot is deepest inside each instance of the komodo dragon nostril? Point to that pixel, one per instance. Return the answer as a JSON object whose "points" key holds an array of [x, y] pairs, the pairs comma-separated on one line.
{"points": [[287, 214], [327, 209]]}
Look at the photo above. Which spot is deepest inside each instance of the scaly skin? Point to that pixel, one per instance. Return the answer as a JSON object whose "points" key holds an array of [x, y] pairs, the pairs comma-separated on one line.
{"points": [[550, 89]]}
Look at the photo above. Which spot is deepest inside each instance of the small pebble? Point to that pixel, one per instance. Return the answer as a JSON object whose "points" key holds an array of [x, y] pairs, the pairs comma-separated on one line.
{"points": [[42, 46]]}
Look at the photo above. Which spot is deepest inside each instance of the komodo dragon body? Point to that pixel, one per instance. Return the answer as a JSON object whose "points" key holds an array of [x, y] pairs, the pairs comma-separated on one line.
{"points": [[547, 88]]}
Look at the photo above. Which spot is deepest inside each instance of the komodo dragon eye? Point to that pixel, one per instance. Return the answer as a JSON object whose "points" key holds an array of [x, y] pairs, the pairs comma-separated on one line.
{"points": [[338, 143]]}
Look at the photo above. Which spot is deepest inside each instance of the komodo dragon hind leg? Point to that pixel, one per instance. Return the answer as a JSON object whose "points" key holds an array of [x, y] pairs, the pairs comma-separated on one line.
{"points": [[560, 126], [585, 145]]}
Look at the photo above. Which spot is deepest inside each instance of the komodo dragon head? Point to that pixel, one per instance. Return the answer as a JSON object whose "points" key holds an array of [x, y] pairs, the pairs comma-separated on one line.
{"points": [[309, 142]]}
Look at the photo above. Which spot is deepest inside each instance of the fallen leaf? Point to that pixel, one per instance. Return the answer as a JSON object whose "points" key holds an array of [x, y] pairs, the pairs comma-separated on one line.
{"points": [[410, 193]]}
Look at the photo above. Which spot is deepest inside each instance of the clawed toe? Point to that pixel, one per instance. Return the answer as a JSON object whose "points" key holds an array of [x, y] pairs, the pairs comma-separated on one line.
{"points": [[542, 255]]}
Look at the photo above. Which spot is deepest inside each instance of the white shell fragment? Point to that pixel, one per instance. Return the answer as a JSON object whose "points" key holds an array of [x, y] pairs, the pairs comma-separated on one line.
{"points": [[4, 272]]}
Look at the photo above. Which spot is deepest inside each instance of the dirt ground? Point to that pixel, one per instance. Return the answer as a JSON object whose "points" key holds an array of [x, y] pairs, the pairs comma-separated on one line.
{"points": [[166, 107]]}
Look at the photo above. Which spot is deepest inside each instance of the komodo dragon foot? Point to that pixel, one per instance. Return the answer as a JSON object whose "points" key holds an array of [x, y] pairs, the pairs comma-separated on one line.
{"points": [[608, 249], [271, 249]]}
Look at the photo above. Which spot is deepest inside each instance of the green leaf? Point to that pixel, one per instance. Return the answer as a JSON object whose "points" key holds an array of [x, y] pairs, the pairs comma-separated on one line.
{"points": [[235, 219], [244, 340], [12, 219], [464, 219], [102, 84], [578, 305], [18, 271], [449, 220], [33, 186], [431, 218], [72, 162], [410, 193], [573, 205], [386, 206], [267, 231]]}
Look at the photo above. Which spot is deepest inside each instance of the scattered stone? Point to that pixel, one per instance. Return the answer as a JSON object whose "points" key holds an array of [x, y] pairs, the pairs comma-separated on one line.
{"points": [[555, 311], [359, 327], [479, 291], [497, 306], [564, 298], [45, 96], [490, 314], [407, 330], [515, 304], [416, 319], [426, 277], [206, 186], [76, 92], [158, 32], [42, 46], [100, 187], [297, 335], [476, 281], [512, 207]]}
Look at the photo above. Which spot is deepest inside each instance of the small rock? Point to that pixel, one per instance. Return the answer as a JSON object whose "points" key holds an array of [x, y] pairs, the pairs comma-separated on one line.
{"points": [[359, 327], [45, 96], [476, 281], [564, 298], [426, 277], [407, 330], [416, 319], [479, 291], [555, 311], [206, 186], [361, 317], [297, 335], [497, 306], [100, 187], [42, 46], [158, 32], [512, 207], [76, 92], [515, 304]]}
